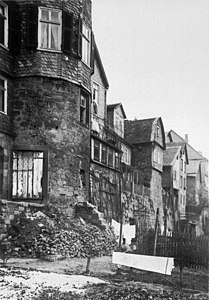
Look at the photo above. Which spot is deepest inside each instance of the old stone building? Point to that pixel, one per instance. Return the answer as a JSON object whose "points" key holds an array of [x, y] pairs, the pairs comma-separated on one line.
{"points": [[45, 82]]}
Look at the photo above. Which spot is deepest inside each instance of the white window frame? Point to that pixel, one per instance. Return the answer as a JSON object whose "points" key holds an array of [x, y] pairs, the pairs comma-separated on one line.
{"points": [[5, 17], [50, 23], [126, 155], [5, 95], [86, 44]]}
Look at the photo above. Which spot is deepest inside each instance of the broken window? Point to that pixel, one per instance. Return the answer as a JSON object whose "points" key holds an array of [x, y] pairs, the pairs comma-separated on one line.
{"points": [[28, 172]]}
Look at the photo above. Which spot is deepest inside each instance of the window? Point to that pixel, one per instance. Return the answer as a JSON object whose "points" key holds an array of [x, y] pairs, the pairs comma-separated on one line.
{"points": [[174, 175], [116, 160], [158, 131], [49, 29], [3, 95], [3, 24], [126, 156], [182, 164], [86, 44], [84, 108], [104, 154], [181, 181], [185, 185], [1, 170], [96, 150], [29, 175], [95, 93], [110, 157], [158, 156]]}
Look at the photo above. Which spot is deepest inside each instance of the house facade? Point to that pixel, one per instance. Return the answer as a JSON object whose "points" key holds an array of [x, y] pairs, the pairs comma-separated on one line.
{"points": [[197, 197], [148, 138], [45, 76], [175, 162]]}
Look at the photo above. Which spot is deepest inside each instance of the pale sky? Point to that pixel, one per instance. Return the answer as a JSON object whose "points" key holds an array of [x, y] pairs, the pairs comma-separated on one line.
{"points": [[156, 57]]}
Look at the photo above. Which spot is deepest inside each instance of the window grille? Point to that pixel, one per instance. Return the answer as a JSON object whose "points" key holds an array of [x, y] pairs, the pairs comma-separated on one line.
{"points": [[27, 178]]}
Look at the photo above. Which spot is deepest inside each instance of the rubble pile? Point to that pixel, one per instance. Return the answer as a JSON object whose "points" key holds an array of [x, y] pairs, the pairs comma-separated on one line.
{"points": [[42, 237]]}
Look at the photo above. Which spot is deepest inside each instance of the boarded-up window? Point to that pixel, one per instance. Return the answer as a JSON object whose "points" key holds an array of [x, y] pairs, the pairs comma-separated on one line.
{"points": [[27, 181]]}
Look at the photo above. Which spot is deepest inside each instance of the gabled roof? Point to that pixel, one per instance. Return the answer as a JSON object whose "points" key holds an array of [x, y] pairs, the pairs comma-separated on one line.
{"points": [[142, 131], [99, 61], [116, 105], [192, 153], [183, 148], [170, 155]]}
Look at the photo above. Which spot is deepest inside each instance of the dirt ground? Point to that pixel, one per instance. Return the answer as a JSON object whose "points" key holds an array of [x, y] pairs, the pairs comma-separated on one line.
{"points": [[102, 267]]}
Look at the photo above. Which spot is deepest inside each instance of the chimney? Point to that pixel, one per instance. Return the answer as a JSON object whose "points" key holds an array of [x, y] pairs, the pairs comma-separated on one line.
{"points": [[186, 138]]}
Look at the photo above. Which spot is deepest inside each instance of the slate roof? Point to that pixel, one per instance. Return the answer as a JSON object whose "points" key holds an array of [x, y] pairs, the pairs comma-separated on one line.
{"points": [[116, 105], [169, 154], [177, 139], [138, 131]]}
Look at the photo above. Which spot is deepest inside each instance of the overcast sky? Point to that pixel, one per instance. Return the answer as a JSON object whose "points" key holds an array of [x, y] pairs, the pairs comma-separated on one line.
{"points": [[156, 57]]}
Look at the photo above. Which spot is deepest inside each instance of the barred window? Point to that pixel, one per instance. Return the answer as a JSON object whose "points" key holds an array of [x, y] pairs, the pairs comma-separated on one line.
{"points": [[28, 173]]}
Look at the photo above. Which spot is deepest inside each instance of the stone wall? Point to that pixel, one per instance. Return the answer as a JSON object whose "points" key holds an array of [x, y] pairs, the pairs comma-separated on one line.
{"points": [[44, 111]]}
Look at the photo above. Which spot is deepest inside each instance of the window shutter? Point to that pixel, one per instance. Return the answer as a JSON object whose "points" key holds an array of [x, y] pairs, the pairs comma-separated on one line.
{"points": [[67, 32], [80, 37], [92, 53], [32, 26], [14, 28]]}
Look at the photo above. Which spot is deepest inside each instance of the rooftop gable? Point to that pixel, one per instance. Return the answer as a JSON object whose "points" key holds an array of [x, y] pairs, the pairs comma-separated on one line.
{"points": [[192, 153], [116, 105], [143, 131], [170, 155]]}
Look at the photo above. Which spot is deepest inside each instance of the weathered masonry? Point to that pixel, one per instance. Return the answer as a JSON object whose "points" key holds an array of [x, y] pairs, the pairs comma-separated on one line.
{"points": [[45, 83]]}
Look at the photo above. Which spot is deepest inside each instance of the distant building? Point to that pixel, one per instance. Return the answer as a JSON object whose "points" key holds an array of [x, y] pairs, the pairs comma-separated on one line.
{"points": [[148, 138], [175, 162], [197, 196]]}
